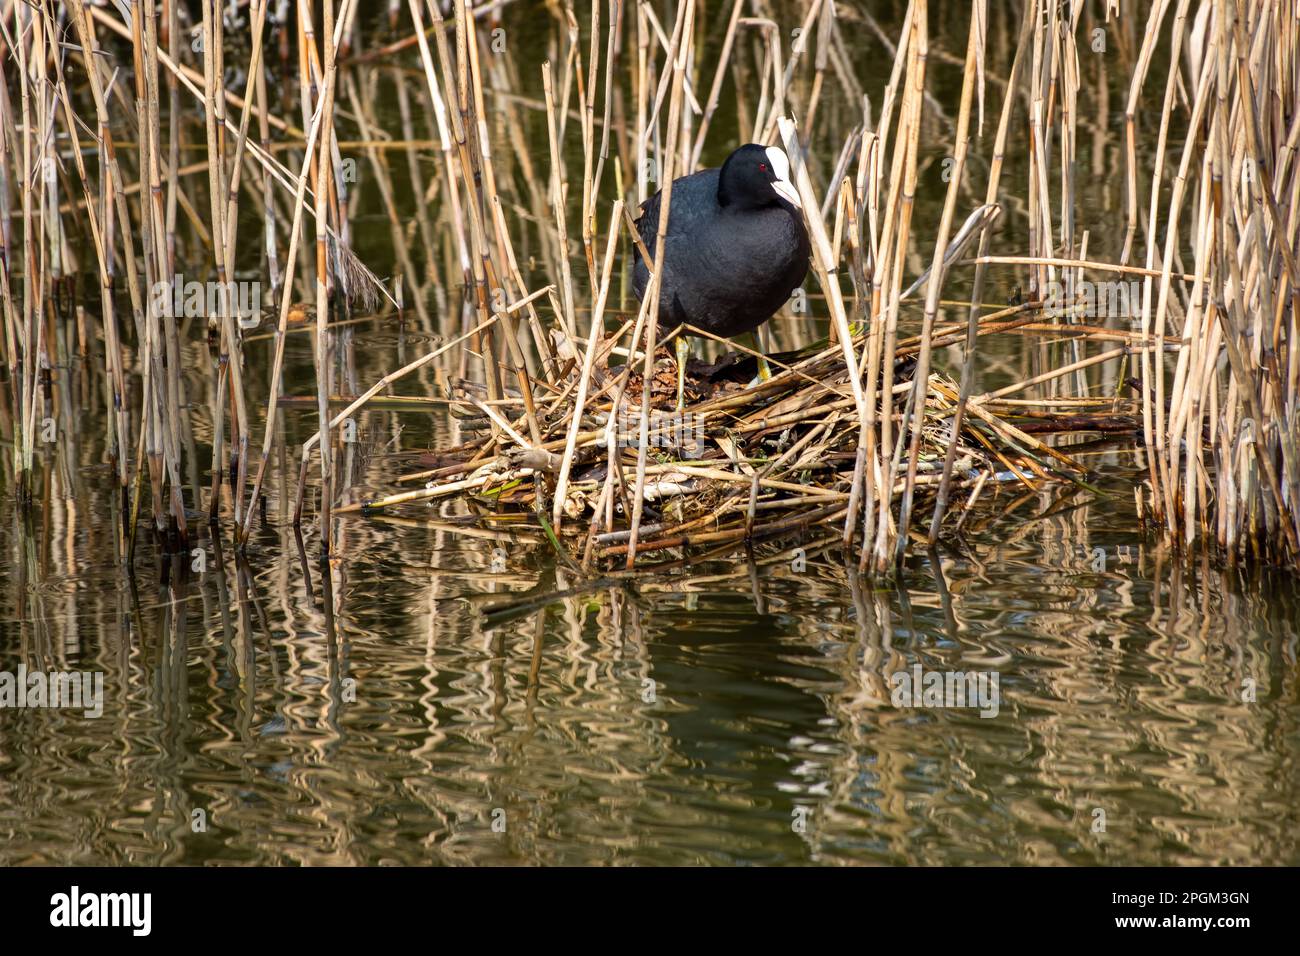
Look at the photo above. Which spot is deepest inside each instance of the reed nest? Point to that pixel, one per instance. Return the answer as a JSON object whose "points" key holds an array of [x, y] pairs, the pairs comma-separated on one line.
{"points": [[742, 460]]}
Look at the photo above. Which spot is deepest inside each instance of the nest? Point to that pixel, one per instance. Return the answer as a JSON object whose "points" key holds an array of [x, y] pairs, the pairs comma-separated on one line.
{"points": [[741, 461]]}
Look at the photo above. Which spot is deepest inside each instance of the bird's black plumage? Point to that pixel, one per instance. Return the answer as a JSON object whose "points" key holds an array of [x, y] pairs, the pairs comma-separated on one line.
{"points": [[734, 250]]}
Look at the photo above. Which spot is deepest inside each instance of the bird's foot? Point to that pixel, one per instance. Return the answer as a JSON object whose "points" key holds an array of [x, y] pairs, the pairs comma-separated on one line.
{"points": [[764, 373], [683, 355]]}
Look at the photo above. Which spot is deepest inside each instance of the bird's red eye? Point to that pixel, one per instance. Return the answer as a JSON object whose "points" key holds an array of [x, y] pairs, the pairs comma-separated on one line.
{"points": [[762, 167]]}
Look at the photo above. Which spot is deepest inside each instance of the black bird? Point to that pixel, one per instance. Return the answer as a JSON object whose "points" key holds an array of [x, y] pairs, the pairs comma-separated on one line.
{"points": [[735, 248]]}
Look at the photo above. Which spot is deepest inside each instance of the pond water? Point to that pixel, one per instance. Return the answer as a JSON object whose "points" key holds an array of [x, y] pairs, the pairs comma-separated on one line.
{"points": [[735, 709]]}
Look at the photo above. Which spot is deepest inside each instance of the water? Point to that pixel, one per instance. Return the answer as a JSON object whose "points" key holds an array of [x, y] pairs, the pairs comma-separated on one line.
{"points": [[733, 711]]}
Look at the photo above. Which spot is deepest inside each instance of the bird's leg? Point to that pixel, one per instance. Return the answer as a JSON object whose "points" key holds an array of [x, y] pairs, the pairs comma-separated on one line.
{"points": [[764, 370], [683, 354]]}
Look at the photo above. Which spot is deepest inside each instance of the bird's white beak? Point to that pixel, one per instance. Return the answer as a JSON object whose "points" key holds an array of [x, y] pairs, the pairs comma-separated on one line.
{"points": [[781, 167]]}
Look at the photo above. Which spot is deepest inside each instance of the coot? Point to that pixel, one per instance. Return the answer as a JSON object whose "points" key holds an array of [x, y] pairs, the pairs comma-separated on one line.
{"points": [[735, 248]]}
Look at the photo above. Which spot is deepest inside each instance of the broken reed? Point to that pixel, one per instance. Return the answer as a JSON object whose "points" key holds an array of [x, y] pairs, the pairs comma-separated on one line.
{"points": [[1212, 354]]}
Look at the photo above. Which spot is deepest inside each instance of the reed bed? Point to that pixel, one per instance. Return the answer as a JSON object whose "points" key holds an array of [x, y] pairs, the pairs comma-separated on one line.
{"points": [[515, 259]]}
